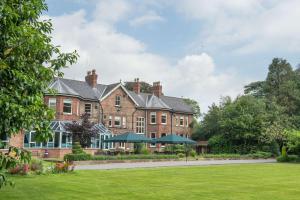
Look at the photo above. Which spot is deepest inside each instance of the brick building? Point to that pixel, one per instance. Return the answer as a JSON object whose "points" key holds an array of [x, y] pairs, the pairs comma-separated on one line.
{"points": [[114, 109]]}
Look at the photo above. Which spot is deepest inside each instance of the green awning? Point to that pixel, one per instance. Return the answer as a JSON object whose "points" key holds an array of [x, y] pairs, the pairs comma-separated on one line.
{"points": [[174, 139], [129, 137]]}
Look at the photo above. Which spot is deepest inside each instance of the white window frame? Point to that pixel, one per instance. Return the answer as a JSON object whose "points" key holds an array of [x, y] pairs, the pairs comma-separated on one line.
{"points": [[153, 114], [52, 101], [70, 102], [118, 101], [91, 108], [118, 118], [122, 145], [110, 123], [124, 122], [187, 121], [140, 125], [164, 115], [181, 119], [6, 142], [153, 145], [177, 120]]}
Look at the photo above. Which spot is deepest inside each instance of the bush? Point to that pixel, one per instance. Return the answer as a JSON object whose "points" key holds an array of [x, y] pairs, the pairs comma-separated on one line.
{"points": [[63, 167], [181, 155], [260, 154], [77, 157], [36, 166], [283, 152], [22, 169], [288, 158], [76, 148], [193, 153]]}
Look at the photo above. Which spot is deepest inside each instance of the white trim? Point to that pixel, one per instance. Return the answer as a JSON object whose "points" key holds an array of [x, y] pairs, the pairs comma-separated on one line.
{"points": [[70, 102], [91, 108], [125, 90], [181, 118]]}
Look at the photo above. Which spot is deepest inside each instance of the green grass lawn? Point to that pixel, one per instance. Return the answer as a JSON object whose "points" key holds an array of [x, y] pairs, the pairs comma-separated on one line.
{"points": [[253, 181]]}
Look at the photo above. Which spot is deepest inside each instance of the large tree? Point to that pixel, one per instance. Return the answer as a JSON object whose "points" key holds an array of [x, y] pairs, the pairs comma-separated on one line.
{"points": [[28, 62]]}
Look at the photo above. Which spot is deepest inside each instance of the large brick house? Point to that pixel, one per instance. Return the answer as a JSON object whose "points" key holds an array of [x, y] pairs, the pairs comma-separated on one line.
{"points": [[114, 109]]}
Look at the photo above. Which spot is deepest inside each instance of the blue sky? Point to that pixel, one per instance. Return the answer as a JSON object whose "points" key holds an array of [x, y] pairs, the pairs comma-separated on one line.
{"points": [[197, 48]]}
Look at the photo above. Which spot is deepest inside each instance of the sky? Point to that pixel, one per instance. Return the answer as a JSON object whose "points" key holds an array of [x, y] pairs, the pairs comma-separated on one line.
{"points": [[199, 49]]}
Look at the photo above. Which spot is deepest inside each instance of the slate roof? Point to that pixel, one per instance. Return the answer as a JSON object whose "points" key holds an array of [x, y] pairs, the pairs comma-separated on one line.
{"points": [[82, 90]]}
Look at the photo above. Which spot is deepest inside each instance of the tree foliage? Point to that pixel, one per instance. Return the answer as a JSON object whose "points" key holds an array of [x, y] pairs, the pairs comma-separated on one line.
{"points": [[145, 87], [82, 131], [28, 62], [195, 106]]}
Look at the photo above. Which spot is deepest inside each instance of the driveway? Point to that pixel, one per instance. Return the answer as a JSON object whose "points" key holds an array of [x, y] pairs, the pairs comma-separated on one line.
{"points": [[108, 166]]}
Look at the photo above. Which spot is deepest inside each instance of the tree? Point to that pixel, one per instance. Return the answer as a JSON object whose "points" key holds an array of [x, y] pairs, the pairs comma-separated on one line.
{"points": [[145, 87], [195, 106], [28, 62], [82, 131]]}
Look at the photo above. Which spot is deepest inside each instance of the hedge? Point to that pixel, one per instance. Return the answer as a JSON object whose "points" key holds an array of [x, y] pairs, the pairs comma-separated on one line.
{"points": [[82, 157], [289, 158], [78, 157], [256, 155]]}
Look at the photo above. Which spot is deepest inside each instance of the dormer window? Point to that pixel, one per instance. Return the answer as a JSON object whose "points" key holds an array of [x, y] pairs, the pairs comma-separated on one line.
{"points": [[118, 101]]}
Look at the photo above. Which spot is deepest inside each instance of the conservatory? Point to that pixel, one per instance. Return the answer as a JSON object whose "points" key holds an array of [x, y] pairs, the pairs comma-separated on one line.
{"points": [[63, 140]]}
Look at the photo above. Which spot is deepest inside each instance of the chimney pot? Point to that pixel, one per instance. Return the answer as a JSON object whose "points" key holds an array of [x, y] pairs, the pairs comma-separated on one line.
{"points": [[91, 78]]}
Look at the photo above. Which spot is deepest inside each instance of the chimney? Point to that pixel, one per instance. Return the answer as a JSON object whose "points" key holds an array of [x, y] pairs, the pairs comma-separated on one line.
{"points": [[157, 89], [137, 86], [91, 78]]}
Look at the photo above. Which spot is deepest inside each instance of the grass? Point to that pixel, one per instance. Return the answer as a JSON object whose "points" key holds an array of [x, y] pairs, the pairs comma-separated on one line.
{"points": [[228, 182]]}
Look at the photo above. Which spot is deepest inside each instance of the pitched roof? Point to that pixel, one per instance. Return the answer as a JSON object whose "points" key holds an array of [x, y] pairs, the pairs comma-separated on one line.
{"points": [[83, 90]]}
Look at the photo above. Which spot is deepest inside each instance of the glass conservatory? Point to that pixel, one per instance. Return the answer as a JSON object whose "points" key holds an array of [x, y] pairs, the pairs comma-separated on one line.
{"points": [[62, 139]]}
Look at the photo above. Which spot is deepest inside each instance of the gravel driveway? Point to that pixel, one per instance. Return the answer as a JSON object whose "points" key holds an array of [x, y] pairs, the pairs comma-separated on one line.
{"points": [[169, 164]]}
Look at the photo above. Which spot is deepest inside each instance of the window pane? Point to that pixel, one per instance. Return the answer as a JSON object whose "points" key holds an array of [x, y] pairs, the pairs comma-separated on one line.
{"points": [[88, 108], [67, 106]]}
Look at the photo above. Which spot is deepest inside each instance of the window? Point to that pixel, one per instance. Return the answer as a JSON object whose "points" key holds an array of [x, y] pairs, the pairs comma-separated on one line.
{"points": [[118, 101], [67, 106], [118, 121], [164, 118], [88, 108], [187, 121], [124, 122], [122, 145], [181, 123], [177, 120], [110, 121], [5, 140], [153, 118], [140, 125], [163, 135], [153, 136], [52, 103]]}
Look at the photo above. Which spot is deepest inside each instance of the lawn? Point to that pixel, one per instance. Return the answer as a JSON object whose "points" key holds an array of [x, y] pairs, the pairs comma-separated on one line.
{"points": [[253, 181]]}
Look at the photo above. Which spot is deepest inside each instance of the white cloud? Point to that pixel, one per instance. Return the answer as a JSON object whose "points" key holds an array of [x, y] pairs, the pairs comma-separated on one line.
{"points": [[246, 26], [149, 17], [117, 56]]}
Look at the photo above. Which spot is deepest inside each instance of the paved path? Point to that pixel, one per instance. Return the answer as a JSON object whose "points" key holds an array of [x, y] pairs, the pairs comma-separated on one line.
{"points": [[168, 164]]}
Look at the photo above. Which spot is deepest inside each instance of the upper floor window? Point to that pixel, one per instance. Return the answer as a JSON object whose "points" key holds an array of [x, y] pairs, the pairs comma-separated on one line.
{"points": [[187, 121], [153, 118], [164, 118], [140, 125], [67, 106], [88, 108], [181, 122], [118, 101], [118, 121], [52, 103], [177, 120], [5, 140]]}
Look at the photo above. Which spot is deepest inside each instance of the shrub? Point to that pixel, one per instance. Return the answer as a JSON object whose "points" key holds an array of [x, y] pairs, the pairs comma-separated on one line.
{"points": [[283, 151], [36, 166], [77, 157], [181, 155], [138, 148], [76, 148], [63, 167], [22, 169], [288, 158], [193, 153]]}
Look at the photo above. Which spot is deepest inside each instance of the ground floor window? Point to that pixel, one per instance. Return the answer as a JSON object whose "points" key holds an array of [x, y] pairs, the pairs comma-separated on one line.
{"points": [[58, 140], [98, 142], [153, 136], [163, 135], [4, 140]]}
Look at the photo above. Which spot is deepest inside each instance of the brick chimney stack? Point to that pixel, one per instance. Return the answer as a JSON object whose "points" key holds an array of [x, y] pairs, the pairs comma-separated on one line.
{"points": [[91, 78], [137, 86], [157, 89]]}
